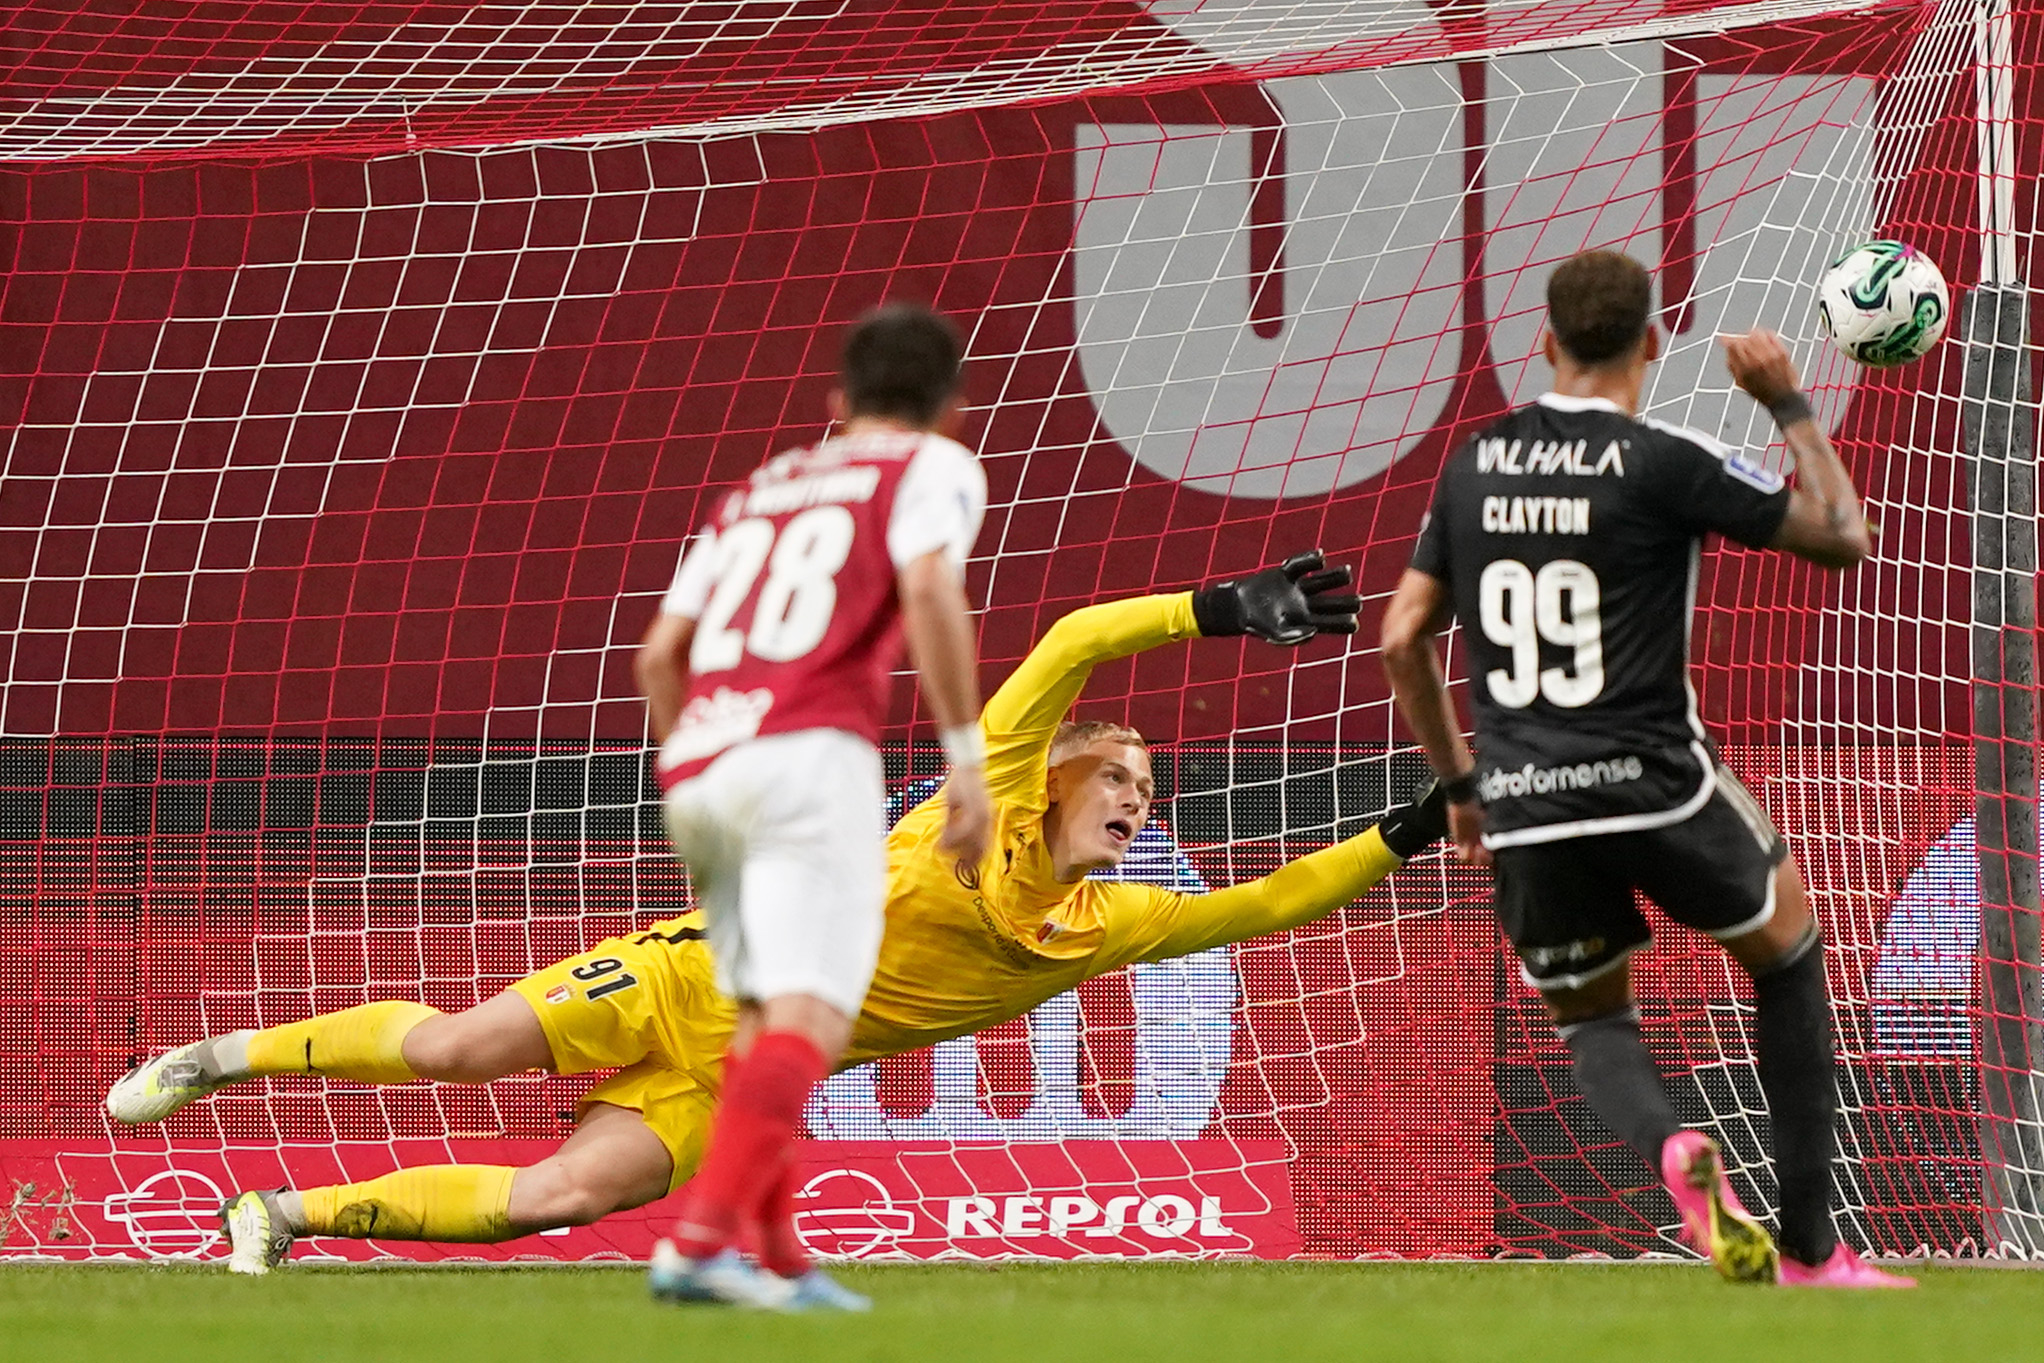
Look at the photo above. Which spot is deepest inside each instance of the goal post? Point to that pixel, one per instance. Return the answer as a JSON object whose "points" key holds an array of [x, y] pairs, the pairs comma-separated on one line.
{"points": [[2011, 1020], [361, 382], [2001, 432]]}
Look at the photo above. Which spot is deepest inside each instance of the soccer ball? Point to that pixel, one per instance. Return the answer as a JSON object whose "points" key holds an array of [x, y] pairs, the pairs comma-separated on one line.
{"points": [[1883, 303]]}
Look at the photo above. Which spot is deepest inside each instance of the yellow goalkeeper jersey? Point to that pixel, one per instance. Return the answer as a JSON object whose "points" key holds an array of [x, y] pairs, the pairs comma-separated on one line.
{"points": [[960, 957], [956, 958]]}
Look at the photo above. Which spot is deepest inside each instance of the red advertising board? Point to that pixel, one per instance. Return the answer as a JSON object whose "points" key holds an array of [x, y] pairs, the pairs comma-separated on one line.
{"points": [[859, 1199]]}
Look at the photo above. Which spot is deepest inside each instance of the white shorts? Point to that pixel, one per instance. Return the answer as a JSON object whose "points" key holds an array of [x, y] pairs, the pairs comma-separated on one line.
{"points": [[785, 842]]}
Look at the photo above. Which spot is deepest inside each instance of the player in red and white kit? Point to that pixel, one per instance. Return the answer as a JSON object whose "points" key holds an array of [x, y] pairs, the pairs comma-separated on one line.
{"points": [[767, 676]]}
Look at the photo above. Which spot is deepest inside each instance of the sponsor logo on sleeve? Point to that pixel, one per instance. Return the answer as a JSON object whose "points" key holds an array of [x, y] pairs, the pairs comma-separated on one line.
{"points": [[1752, 474]]}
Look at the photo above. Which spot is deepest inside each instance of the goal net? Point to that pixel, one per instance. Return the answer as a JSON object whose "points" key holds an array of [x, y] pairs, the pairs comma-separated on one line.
{"points": [[366, 367]]}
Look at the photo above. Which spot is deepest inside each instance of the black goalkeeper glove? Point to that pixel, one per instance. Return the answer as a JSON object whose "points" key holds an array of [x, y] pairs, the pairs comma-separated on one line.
{"points": [[1408, 829], [1288, 604]]}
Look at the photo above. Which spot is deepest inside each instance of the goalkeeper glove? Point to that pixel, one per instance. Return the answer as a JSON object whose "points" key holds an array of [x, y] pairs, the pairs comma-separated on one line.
{"points": [[1288, 604], [1409, 828]]}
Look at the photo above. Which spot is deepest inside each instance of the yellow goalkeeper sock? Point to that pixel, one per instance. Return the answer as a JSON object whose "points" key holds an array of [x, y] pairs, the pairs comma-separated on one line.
{"points": [[356, 1043], [464, 1202]]}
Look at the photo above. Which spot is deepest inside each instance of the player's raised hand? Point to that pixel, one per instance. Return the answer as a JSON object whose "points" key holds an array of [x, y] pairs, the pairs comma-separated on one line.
{"points": [[1288, 604], [968, 816], [1760, 364]]}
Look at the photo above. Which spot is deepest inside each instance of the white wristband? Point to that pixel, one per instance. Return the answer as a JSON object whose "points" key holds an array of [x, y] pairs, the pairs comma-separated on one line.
{"points": [[964, 746]]}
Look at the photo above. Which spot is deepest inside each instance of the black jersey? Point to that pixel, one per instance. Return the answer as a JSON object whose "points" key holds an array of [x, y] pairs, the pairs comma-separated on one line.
{"points": [[1568, 536]]}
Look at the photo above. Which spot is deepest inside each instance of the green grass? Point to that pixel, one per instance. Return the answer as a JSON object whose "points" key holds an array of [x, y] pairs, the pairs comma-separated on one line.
{"points": [[1183, 1313]]}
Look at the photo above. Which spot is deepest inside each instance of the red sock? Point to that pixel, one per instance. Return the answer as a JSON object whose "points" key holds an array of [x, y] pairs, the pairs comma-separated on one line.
{"points": [[749, 1141], [780, 1248]]}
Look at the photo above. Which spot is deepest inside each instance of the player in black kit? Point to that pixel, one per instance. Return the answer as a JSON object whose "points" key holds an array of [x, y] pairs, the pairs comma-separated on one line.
{"points": [[1565, 537]]}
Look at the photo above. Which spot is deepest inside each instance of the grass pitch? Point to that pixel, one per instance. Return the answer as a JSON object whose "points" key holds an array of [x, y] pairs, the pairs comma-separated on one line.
{"points": [[1172, 1313]]}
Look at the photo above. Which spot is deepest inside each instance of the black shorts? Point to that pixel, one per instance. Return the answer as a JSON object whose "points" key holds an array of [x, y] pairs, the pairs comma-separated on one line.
{"points": [[1568, 905]]}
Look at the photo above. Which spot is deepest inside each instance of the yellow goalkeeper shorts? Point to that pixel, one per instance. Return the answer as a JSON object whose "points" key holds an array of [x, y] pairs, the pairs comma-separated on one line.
{"points": [[677, 1108], [646, 1003]]}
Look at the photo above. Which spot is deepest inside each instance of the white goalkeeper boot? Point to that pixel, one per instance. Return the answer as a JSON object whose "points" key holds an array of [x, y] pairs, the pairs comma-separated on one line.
{"points": [[257, 1235], [152, 1091]]}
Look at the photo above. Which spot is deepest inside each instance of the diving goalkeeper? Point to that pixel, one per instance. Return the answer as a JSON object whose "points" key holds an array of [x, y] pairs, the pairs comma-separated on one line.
{"points": [[964, 949]]}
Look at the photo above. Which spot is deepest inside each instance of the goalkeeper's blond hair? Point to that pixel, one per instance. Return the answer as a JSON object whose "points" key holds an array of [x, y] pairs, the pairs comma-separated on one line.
{"points": [[1073, 735]]}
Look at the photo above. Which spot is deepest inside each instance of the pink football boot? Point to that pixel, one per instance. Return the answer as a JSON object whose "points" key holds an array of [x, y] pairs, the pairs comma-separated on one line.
{"points": [[1714, 1222], [1843, 1269]]}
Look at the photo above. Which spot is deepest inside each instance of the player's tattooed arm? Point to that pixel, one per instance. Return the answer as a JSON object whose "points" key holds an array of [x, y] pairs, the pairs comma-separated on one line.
{"points": [[1419, 610], [1825, 522]]}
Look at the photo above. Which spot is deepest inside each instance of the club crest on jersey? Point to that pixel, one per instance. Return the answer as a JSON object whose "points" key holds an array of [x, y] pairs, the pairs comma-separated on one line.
{"points": [[1570, 457]]}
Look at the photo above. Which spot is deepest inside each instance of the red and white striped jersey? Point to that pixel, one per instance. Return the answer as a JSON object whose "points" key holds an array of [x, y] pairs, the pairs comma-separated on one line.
{"points": [[792, 588]]}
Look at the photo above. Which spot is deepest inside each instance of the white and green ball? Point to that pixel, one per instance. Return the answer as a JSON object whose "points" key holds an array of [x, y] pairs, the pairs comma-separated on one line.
{"points": [[1883, 303]]}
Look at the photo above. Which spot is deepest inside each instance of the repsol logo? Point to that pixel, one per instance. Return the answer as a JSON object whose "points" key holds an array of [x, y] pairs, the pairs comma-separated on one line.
{"points": [[1166, 1217]]}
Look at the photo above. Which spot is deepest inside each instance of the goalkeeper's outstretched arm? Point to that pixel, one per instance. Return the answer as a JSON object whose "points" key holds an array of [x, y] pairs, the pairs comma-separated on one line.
{"points": [[1298, 892], [1023, 715]]}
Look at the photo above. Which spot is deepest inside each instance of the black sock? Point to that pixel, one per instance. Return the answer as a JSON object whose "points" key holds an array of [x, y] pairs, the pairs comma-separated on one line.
{"points": [[1618, 1078], [1798, 1073]]}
